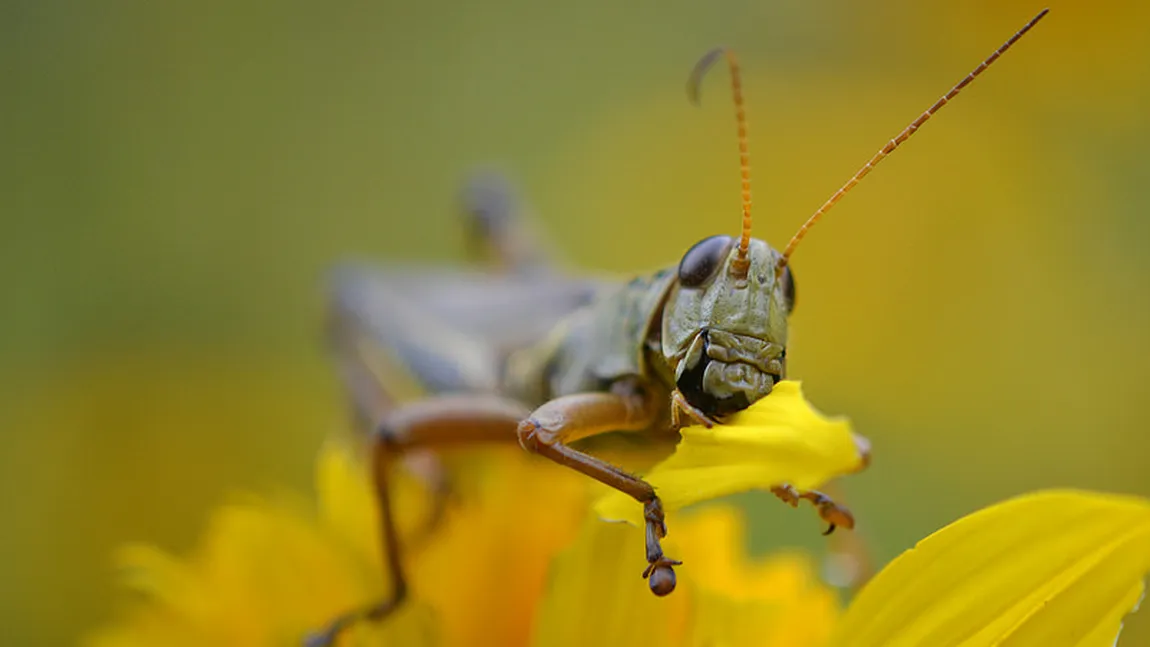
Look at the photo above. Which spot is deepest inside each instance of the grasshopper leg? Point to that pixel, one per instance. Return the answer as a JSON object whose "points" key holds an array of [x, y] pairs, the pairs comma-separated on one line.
{"points": [[852, 554], [550, 427], [432, 423], [834, 514], [428, 468], [496, 231]]}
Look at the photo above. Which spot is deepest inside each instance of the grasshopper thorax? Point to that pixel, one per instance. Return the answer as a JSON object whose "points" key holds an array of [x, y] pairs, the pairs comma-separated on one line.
{"points": [[724, 330]]}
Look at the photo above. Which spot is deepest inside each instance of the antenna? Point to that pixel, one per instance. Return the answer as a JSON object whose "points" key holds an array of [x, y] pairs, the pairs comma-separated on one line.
{"points": [[741, 264], [902, 137]]}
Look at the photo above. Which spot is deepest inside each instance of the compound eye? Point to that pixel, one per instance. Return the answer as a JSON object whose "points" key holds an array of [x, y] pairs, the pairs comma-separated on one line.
{"points": [[789, 288], [701, 261]]}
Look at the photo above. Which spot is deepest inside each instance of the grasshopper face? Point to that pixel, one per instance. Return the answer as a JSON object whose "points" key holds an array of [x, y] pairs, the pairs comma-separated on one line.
{"points": [[725, 332]]}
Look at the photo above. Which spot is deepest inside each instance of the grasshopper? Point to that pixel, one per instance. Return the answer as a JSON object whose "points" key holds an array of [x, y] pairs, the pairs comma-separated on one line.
{"points": [[524, 352]]}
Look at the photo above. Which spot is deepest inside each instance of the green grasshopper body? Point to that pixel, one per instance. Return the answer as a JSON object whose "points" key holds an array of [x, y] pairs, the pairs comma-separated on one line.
{"points": [[434, 357], [431, 358], [535, 339]]}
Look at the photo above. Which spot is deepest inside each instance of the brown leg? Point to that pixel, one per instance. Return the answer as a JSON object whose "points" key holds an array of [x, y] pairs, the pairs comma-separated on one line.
{"points": [[679, 404], [496, 232], [569, 418], [435, 422], [427, 466], [830, 512], [852, 552], [859, 567]]}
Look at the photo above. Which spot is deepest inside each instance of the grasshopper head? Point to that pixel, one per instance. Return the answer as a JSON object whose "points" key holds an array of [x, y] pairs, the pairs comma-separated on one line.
{"points": [[725, 321], [725, 324]]}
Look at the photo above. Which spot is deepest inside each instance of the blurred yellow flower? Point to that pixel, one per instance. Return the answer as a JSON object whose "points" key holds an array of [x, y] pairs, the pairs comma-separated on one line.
{"points": [[269, 571], [484, 571], [723, 597], [266, 572], [525, 559]]}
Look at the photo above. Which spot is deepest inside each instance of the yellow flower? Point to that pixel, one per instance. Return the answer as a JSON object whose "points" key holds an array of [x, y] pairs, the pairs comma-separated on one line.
{"points": [[525, 560], [265, 573], [269, 571]]}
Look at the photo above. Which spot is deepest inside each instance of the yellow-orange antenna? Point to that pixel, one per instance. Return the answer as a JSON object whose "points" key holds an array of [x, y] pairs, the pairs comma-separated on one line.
{"points": [[741, 264], [902, 137]]}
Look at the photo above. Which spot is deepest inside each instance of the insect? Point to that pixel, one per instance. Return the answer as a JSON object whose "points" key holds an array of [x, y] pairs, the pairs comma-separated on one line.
{"points": [[525, 353]]}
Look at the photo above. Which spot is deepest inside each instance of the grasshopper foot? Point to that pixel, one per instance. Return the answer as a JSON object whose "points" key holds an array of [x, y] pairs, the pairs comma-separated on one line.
{"points": [[660, 571], [375, 613], [660, 575], [834, 514]]}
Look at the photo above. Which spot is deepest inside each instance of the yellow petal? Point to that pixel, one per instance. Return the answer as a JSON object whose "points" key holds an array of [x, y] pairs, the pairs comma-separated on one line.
{"points": [[723, 597], [596, 597], [347, 506], [481, 568], [780, 439], [772, 601], [264, 575], [1049, 568], [485, 568]]}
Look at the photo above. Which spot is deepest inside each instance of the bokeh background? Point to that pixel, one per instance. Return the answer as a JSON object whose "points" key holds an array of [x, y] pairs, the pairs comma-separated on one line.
{"points": [[176, 177]]}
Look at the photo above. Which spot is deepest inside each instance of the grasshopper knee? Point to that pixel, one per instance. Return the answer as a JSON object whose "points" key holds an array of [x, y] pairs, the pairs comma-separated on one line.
{"points": [[385, 434]]}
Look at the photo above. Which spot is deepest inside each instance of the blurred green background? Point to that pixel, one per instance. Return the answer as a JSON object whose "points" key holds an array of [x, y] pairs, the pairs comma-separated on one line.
{"points": [[176, 177]]}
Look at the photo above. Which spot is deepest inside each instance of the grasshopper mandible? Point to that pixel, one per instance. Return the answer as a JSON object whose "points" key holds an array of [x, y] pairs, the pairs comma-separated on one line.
{"points": [[526, 353]]}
